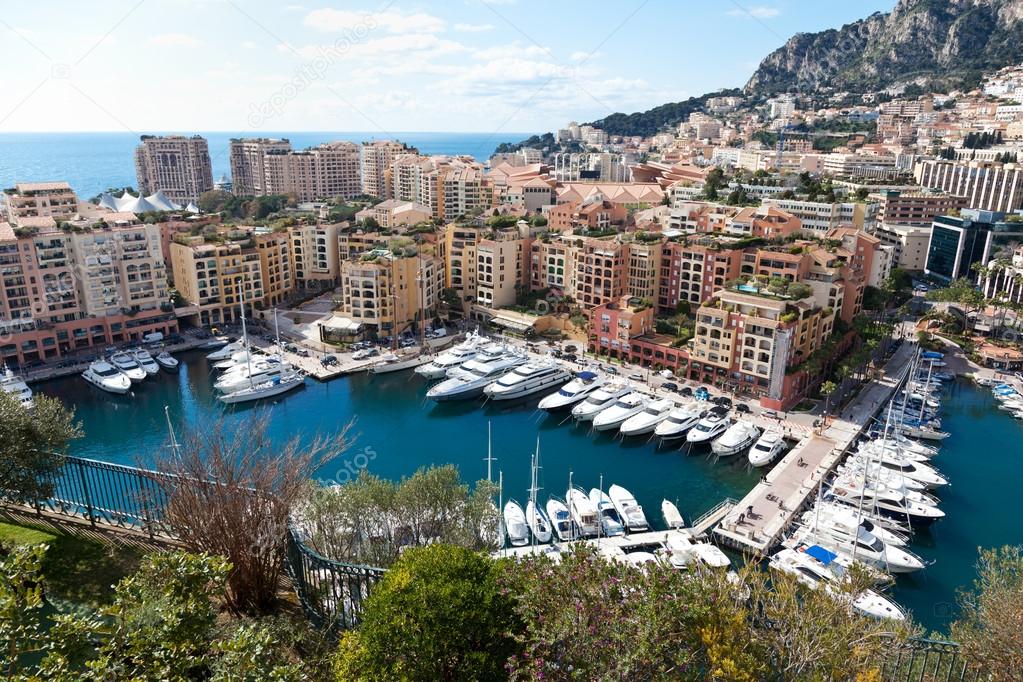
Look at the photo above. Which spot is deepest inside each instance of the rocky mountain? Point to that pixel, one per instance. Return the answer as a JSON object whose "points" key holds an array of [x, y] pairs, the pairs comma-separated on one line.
{"points": [[931, 42]]}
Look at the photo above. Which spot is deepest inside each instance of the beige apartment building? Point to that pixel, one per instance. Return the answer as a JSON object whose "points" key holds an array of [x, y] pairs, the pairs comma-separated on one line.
{"points": [[40, 200], [460, 251], [275, 268], [175, 165], [248, 163], [642, 269], [329, 170], [377, 157], [394, 214], [211, 276], [388, 292], [501, 266], [450, 186], [315, 255]]}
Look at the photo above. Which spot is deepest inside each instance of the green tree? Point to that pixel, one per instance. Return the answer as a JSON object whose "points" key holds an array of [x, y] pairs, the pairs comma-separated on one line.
{"points": [[31, 446], [827, 388], [991, 627], [438, 614]]}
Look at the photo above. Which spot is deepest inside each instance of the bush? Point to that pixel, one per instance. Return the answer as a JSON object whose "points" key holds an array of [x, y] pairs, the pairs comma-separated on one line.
{"points": [[30, 446]]}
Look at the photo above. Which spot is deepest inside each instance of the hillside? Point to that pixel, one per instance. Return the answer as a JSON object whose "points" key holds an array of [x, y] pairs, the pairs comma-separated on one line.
{"points": [[944, 43], [652, 121]]}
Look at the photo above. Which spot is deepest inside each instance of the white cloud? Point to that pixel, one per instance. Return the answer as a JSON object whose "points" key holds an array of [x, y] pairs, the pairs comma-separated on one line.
{"points": [[511, 50], [756, 12], [392, 21], [249, 45], [583, 56], [174, 40], [473, 28]]}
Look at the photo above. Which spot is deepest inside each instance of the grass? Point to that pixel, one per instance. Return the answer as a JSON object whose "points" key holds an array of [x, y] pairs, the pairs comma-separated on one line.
{"points": [[78, 569]]}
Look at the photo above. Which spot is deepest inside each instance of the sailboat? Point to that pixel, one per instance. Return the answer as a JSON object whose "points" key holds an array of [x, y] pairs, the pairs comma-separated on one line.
{"points": [[289, 379], [536, 517]]}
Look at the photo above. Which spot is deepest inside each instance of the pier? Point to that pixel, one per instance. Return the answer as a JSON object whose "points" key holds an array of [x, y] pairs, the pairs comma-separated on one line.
{"points": [[757, 523]]}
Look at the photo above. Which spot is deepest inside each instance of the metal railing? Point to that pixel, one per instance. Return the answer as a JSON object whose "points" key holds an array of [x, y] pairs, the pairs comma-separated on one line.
{"points": [[928, 660]]}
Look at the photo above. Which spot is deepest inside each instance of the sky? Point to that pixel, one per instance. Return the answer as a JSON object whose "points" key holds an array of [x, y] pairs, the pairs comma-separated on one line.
{"points": [[400, 65]]}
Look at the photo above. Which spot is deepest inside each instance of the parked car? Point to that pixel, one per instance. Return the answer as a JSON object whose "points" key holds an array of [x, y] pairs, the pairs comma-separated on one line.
{"points": [[365, 354], [569, 357], [329, 360], [666, 373], [291, 348], [724, 401], [611, 370], [670, 386], [769, 414], [302, 352], [686, 392], [742, 408], [636, 376]]}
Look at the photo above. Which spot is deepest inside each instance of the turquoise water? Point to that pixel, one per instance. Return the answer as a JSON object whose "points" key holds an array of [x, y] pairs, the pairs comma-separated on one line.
{"points": [[93, 162], [398, 430]]}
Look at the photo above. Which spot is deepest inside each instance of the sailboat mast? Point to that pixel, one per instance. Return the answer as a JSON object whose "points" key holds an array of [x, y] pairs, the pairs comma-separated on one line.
{"points": [[170, 429], [490, 456], [245, 334]]}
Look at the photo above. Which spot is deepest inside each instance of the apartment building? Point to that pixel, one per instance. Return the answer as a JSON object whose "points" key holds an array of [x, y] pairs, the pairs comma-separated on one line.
{"points": [[817, 217], [598, 271], [595, 214], [248, 163], [394, 214], [590, 167], [550, 264], [909, 244], [329, 170], [214, 277], [502, 264], [988, 186], [315, 255], [65, 291], [860, 165], [54, 200], [450, 186], [642, 269], [377, 157], [460, 249], [275, 267], [175, 165], [353, 242], [915, 208], [387, 292]]}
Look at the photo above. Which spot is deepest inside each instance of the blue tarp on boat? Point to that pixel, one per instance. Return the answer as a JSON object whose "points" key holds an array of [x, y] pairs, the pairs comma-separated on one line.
{"points": [[820, 554]]}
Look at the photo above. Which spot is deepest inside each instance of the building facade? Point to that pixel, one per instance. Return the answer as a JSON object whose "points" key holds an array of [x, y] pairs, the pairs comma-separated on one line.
{"points": [[177, 166], [248, 163], [40, 200], [323, 172], [988, 186]]}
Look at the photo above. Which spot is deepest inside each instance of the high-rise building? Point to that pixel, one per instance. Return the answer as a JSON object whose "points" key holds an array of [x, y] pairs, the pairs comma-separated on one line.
{"points": [[248, 166], [329, 170], [989, 186], [40, 200], [175, 165], [377, 157], [386, 292], [972, 237], [314, 254]]}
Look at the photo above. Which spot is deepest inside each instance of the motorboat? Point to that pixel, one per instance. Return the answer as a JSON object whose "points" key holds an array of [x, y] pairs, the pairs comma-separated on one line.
{"points": [[735, 439], [129, 366], [106, 376], [451, 358], [251, 372], [670, 514], [214, 343], [912, 470], [611, 418], [709, 427], [236, 359], [599, 400], [526, 380], [923, 432], [538, 522], [646, 421], [146, 361], [515, 524], [819, 568], [860, 545], [167, 361], [225, 352], [629, 510], [561, 520], [874, 485], [490, 353], [16, 387], [581, 387], [395, 362], [857, 468], [683, 553], [848, 518], [890, 503], [678, 422], [583, 512], [610, 523], [768, 448], [267, 387], [469, 380]]}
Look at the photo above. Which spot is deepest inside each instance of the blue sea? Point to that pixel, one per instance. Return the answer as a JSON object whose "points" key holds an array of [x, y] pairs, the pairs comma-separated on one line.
{"points": [[94, 162]]}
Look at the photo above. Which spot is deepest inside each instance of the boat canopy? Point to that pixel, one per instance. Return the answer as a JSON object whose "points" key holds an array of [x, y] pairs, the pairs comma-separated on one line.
{"points": [[932, 355], [820, 554], [587, 376]]}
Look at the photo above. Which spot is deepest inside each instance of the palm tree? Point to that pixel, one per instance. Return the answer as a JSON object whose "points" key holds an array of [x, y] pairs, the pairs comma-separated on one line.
{"points": [[827, 388]]}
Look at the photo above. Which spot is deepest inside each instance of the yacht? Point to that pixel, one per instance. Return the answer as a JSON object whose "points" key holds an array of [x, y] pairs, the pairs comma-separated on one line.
{"points": [[610, 523], [451, 358], [15, 386], [167, 361], [924, 432], [129, 366], [581, 387], [236, 359], [709, 427], [102, 374], [561, 520], [395, 362], [146, 361], [889, 503], [515, 523], [602, 398], [469, 380], [226, 351], [679, 421], [611, 418], [849, 518], [768, 448], [670, 514], [494, 352], [854, 469], [646, 421], [526, 380], [818, 568], [539, 524], [912, 470], [735, 439], [583, 513], [267, 387], [683, 552], [629, 510], [860, 545], [254, 371]]}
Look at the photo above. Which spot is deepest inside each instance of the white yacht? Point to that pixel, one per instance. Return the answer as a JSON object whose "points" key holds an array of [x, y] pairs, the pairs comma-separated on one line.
{"points": [[453, 357], [679, 421], [561, 520], [15, 386], [526, 380], [611, 418], [583, 512], [396, 362], [646, 421], [581, 387], [708, 428], [490, 353], [515, 523], [907, 468], [629, 510], [267, 387], [167, 361], [853, 469], [226, 351], [146, 361], [102, 374], [735, 439], [602, 398], [129, 366], [671, 515], [469, 380], [860, 545], [610, 523], [539, 524], [819, 568], [768, 448], [849, 518], [254, 371], [684, 552], [236, 359], [889, 503]]}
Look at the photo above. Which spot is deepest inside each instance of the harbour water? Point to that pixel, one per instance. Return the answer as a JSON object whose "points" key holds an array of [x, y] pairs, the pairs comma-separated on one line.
{"points": [[397, 431]]}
